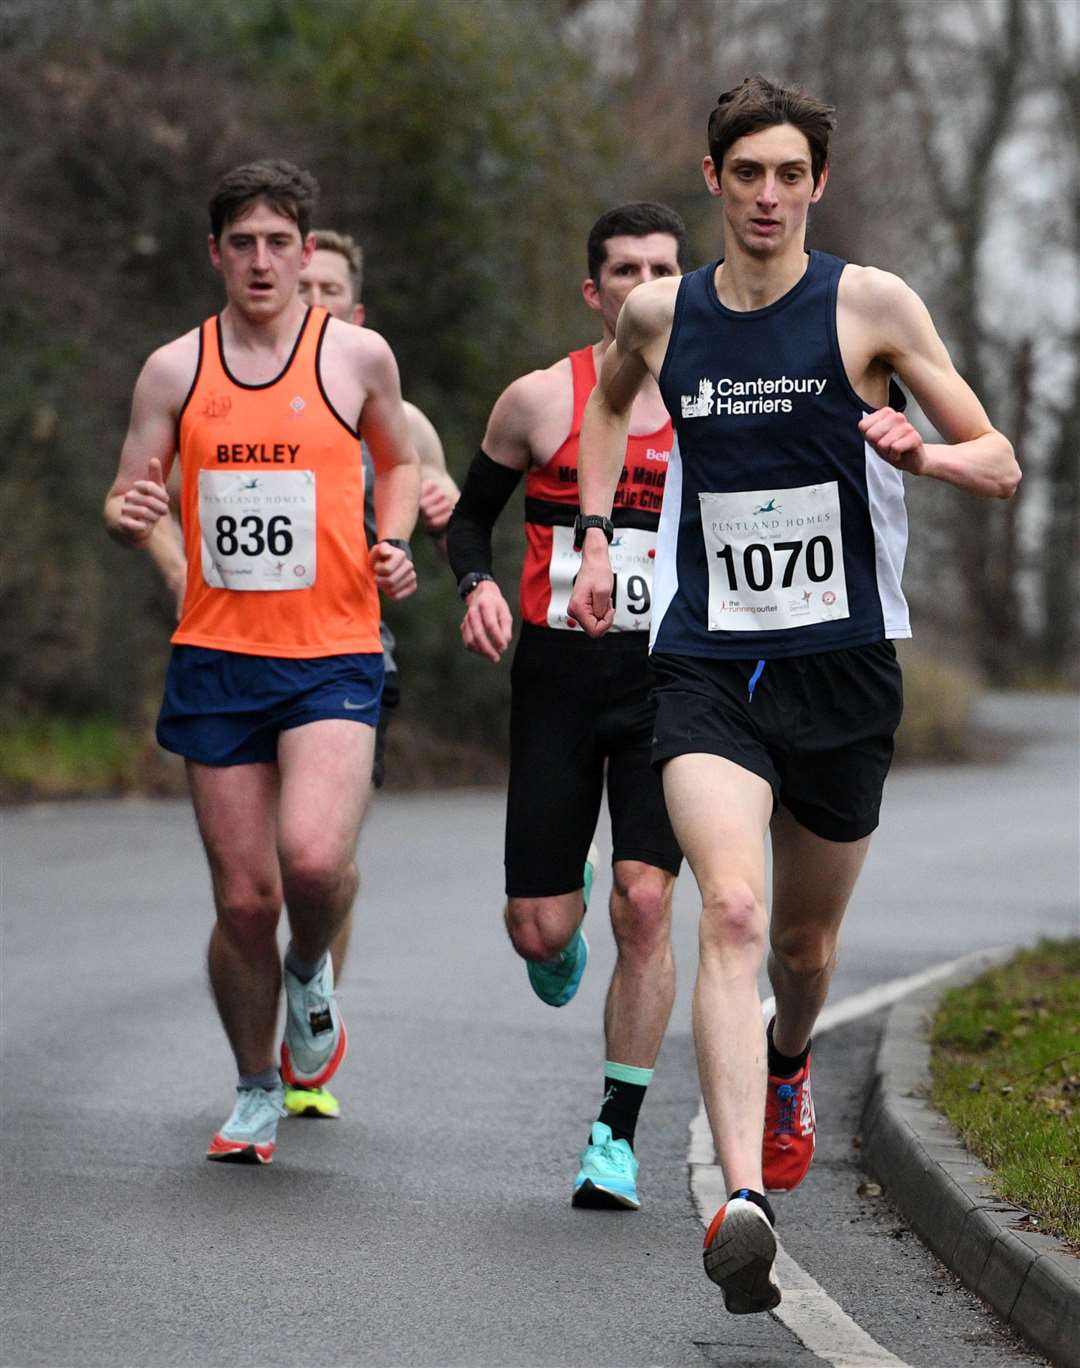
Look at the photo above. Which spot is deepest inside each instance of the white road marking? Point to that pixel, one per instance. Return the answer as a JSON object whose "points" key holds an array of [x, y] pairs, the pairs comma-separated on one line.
{"points": [[807, 1309]]}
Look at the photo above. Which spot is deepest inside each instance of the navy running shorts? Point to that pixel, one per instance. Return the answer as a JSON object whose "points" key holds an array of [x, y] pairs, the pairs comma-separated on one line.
{"points": [[224, 708], [580, 706], [817, 728]]}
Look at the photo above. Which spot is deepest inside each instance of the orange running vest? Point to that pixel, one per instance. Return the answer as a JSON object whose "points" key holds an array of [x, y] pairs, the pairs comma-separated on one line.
{"points": [[551, 503], [272, 504]]}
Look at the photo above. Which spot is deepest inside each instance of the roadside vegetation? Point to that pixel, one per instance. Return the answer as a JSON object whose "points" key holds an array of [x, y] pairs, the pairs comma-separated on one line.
{"points": [[1005, 1063]]}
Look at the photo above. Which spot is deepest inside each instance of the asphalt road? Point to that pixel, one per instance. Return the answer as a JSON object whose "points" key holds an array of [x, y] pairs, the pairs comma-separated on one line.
{"points": [[431, 1225]]}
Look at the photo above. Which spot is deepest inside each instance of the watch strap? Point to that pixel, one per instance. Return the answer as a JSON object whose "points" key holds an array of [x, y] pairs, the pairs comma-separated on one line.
{"points": [[399, 542], [468, 582]]}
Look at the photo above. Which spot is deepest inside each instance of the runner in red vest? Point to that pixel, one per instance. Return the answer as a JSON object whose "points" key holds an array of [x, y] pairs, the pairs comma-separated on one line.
{"points": [[580, 707]]}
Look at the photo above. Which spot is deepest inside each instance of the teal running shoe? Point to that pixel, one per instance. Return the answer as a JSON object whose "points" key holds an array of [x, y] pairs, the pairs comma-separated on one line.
{"points": [[608, 1176], [592, 859], [556, 981], [249, 1135], [315, 1040]]}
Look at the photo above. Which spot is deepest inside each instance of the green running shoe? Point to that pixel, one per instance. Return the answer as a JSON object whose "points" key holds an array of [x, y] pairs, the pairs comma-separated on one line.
{"points": [[317, 1102], [556, 981], [248, 1136], [608, 1175]]}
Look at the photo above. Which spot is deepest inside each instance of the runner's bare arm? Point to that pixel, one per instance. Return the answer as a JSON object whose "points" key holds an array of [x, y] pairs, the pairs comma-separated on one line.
{"points": [[166, 545], [506, 453], [974, 456], [397, 466], [438, 492], [137, 498], [645, 319], [165, 548]]}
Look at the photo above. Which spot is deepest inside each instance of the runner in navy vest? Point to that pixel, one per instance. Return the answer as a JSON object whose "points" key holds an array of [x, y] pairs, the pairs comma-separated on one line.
{"points": [[580, 708], [776, 600]]}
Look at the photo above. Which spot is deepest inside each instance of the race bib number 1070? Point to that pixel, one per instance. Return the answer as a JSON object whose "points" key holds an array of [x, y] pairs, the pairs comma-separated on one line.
{"points": [[258, 530], [776, 558]]}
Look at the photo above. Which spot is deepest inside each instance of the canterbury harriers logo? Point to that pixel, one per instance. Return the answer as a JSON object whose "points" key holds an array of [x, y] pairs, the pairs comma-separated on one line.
{"points": [[771, 394]]}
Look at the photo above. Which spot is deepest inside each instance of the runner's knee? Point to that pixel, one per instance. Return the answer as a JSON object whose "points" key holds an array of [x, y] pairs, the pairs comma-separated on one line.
{"points": [[317, 876], [641, 913], [803, 951], [248, 916], [733, 919], [538, 927]]}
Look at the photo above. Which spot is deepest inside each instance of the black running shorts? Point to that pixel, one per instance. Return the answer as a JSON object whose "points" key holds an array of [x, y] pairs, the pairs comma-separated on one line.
{"points": [[576, 705], [391, 697], [817, 728]]}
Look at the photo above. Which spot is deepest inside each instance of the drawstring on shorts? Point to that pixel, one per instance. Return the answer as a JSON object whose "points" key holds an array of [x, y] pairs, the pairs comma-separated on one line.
{"points": [[759, 670]]}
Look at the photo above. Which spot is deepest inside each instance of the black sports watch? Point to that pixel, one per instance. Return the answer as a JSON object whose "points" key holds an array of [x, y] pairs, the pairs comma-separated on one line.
{"points": [[399, 542], [584, 521], [467, 583]]}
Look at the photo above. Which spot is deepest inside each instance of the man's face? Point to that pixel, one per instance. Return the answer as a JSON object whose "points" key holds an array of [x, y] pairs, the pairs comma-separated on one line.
{"points": [[630, 261], [327, 280], [260, 256], [766, 188]]}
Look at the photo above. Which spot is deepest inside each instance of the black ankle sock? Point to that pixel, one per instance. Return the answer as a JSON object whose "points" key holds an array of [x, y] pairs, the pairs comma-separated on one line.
{"points": [[622, 1102], [784, 1066], [759, 1200]]}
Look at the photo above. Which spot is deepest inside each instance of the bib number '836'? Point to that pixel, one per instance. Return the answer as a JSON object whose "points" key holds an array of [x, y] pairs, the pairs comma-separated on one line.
{"points": [[775, 558], [257, 531]]}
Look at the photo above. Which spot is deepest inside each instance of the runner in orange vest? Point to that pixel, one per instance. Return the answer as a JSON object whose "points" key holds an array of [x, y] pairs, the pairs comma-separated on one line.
{"points": [[273, 688]]}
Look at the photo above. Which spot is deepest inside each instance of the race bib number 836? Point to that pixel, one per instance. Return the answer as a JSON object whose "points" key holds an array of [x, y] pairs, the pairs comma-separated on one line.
{"points": [[258, 530], [776, 558]]}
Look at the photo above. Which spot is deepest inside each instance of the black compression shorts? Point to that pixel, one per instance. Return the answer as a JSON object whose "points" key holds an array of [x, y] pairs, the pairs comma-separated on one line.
{"points": [[817, 728], [576, 705]]}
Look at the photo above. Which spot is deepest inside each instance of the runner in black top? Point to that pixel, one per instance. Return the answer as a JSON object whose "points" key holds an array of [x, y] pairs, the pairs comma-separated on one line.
{"points": [[777, 593]]}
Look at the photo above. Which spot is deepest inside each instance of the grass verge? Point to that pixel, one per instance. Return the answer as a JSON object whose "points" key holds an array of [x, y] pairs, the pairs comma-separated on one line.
{"points": [[1005, 1063], [65, 757]]}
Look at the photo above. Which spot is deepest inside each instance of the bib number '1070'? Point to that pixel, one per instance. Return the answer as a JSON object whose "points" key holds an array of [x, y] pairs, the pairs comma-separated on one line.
{"points": [[631, 552], [776, 558], [258, 531]]}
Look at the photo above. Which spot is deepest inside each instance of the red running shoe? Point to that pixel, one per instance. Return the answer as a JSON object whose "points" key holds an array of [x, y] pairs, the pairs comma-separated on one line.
{"points": [[740, 1248], [789, 1131]]}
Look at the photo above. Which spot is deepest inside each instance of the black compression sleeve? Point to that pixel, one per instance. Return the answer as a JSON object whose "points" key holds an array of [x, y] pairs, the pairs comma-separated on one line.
{"points": [[488, 487]]}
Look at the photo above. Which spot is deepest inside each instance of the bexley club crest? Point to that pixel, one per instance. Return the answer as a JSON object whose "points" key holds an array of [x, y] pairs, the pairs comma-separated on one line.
{"points": [[217, 405]]}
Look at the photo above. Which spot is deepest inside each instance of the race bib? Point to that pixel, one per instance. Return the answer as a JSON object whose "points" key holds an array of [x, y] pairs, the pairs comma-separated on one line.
{"points": [[258, 531], [776, 558], [632, 550]]}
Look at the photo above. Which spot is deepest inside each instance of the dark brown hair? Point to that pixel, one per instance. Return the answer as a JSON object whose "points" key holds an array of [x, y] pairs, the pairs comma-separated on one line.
{"points": [[283, 186], [633, 220], [760, 103]]}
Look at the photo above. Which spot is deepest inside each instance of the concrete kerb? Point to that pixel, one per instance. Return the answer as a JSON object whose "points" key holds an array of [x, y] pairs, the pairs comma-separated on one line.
{"points": [[945, 1194]]}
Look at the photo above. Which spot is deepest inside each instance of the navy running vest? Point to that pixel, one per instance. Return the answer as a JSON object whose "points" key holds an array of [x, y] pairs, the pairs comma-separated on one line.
{"points": [[782, 532]]}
